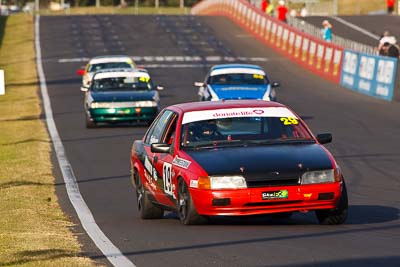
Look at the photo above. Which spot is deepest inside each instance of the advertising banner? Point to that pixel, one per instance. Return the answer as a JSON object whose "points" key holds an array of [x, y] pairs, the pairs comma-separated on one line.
{"points": [[369, 74]]}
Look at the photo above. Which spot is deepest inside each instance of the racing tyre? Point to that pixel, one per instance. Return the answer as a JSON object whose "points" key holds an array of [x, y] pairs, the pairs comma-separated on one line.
{"points": [[146, 207], [90, 123], [186, 210], [337, 215]]}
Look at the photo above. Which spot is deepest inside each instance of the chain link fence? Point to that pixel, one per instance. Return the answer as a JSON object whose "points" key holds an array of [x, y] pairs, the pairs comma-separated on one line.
{"points": [[317, 32]]}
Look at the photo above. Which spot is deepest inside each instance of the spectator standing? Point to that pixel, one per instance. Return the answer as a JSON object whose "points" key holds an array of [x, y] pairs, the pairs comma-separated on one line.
{"points": [[264, 5], [390, 6], [270, 9], [389, 50], [385, 38], [303, 11], [282, 11], [327, 31]]}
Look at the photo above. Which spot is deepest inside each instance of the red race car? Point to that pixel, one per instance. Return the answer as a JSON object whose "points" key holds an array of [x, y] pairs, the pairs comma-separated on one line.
{"points": [[233, 158]]}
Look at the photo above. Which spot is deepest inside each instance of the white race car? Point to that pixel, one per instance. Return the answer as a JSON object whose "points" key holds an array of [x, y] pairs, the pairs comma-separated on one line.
{"points": [[101, 63]]}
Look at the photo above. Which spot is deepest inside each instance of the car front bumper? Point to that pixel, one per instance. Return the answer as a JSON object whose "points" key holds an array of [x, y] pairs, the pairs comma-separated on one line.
{"points": [[123, 114], [249, 201]]}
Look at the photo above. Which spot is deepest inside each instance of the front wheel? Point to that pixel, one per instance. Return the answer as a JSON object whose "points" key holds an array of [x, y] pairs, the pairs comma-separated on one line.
{"points": [[186, 210], [146, 208], [337, 215], [89, 122]]}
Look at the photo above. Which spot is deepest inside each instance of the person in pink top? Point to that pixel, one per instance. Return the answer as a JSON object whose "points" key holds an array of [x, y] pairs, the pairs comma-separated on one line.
{"points": [[282, 10]]}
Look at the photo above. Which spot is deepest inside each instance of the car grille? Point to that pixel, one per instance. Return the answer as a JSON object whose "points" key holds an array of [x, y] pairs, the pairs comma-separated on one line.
{"points": [[264, 180]]}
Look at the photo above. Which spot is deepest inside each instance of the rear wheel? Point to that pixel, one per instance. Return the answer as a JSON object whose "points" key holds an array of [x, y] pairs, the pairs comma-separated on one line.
{"points": [[337, 215], [146, 207], [186, 210]]}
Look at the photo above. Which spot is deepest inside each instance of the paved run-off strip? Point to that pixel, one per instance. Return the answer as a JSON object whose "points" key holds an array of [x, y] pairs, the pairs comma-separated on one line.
{"points": [[110, 251]]}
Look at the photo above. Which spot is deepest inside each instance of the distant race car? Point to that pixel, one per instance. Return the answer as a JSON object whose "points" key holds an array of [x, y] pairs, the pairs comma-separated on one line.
{"points": [[234, 158], [236, 81], [121, 95], [101, 63]]}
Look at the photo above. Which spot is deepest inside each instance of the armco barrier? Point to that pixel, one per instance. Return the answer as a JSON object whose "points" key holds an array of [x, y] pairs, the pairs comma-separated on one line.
{"points": [[312, 53], [364, 73], [369, 74]]}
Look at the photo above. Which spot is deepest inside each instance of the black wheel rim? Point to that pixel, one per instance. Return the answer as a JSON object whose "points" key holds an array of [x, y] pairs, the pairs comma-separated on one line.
{"points": [[139, 193], [183, 200]]}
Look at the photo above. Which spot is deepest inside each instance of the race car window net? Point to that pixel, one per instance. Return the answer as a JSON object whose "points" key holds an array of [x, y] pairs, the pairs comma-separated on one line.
{"points": [[122, 84], [243, 131], [238, 79]]}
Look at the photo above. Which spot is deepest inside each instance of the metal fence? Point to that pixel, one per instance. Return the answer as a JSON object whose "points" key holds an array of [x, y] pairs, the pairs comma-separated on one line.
{"points": [[317, 32]]}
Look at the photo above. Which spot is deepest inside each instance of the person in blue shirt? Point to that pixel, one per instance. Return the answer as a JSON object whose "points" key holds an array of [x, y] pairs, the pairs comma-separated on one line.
{"points": [[327, 31]]}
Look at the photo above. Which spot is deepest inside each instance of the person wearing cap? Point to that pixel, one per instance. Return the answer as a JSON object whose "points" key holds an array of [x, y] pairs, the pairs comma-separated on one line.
{"points": [[282, 11], [390, 6], [385, 38], [327, 31], [389, 50]]}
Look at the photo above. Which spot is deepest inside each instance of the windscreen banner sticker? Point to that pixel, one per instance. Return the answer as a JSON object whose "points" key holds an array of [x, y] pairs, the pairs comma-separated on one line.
{"points": [[280, 194], [183, 163], [237, 70], [120, 74], [202, 115]]}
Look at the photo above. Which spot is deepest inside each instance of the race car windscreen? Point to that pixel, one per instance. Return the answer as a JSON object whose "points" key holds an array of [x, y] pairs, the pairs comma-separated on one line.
{"points": [[238, 79], [109, 65], [122, 84], [244, 131]]}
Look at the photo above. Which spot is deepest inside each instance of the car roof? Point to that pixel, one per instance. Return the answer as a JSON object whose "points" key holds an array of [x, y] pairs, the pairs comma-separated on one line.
{"points": [[224, 104], [111, 58], [236, 66]]}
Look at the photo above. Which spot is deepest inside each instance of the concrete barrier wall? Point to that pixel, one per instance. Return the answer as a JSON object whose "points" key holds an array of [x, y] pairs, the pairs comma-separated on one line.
{"points": [[322, 58]]}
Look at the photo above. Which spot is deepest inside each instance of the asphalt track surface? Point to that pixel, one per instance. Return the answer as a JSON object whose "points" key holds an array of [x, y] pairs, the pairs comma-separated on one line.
{"points": [[375, 24], [366, 144]]}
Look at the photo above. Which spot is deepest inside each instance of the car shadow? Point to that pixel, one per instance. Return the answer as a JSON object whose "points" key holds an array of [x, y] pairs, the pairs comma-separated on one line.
{"points": [[358, 215]]}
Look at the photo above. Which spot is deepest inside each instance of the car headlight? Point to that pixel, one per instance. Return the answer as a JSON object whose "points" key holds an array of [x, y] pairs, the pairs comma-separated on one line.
{"points": [[100, 105], [221, 182], [318, 177]]}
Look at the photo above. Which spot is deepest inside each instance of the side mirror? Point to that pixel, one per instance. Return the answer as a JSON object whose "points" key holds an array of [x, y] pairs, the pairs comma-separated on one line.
{"points": [[275, 84], [324, 138], [160, 148], [160, 88], [80, 72], [199, 84]]}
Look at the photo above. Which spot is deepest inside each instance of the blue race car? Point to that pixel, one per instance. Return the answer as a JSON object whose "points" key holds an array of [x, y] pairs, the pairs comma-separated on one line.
{"points": [[236, 81]]}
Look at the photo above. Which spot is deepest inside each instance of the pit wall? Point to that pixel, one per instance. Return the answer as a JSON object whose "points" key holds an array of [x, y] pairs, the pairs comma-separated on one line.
{"points": [[322, 58]]}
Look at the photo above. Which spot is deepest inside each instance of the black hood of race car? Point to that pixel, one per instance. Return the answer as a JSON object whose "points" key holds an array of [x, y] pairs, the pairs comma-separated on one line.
{"points": [[289, 160]]}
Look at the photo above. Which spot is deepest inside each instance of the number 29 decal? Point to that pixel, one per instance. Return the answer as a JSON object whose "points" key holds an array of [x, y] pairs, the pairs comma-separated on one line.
{"points": [[167, 178]]}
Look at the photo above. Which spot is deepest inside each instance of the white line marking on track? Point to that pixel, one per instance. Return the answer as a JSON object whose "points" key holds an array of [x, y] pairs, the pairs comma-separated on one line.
{"points": [[110, 251], [177, 59], [357, 28]]}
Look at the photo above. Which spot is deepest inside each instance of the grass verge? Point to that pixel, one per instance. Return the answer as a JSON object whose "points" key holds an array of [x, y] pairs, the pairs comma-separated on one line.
{"points": [[33, 229]]}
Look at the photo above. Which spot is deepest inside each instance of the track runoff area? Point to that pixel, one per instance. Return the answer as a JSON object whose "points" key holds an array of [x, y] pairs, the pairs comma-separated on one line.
{"points": [[97, 160]]}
